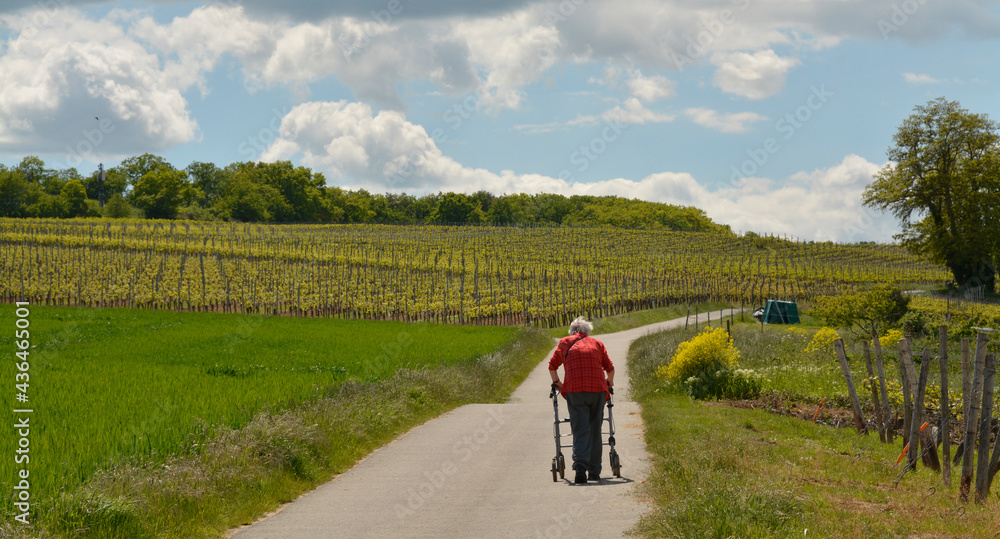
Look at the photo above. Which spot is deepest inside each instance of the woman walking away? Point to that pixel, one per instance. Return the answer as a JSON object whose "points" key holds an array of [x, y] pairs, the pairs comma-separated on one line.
{"points": [[584, 360]]}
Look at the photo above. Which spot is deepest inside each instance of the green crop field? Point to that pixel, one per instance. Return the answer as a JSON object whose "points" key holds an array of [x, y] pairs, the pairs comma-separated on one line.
{"points": [[114, 384], [478, 274]]}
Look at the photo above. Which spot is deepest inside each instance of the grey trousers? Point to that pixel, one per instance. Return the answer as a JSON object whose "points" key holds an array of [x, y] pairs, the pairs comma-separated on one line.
{"points": [[586, 417]]}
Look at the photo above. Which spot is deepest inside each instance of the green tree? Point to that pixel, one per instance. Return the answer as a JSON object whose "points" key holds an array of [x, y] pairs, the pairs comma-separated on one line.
{"points": [[868, 312], [74, 196], [115, 183], [160, 192], [210, 179], [33, 169], [943, 184], [458, 208], [250, 201], [132, 170], [551, 208], [117, 207], [13, 193]]}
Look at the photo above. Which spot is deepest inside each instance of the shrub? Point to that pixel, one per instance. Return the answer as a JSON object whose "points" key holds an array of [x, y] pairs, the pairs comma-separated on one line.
{"points": [[915, 323], [711, 350], [706, 367], [865, 311], [822, 341], [890, 339], [117, 208]]}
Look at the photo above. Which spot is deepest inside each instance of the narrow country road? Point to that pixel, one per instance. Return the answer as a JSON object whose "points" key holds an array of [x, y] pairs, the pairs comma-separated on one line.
{"points": [[481, 470]]}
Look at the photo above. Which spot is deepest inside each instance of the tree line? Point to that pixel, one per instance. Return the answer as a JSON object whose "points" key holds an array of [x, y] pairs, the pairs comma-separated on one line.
{"points": [[148, 186]]}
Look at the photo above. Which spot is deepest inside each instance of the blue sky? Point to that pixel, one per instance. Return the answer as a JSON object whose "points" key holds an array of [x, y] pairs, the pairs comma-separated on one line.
{"points": [[771, 116]]}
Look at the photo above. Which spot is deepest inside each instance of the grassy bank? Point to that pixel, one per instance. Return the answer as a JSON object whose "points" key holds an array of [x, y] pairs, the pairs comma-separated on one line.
{"points": [[185, 424], [720, 471]]}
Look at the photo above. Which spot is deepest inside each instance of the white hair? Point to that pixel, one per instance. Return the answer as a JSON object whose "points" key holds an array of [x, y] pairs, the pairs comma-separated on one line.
{"points": [[580, 325]]}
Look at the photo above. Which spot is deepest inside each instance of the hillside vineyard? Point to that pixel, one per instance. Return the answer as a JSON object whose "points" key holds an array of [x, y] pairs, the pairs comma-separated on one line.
{"points": [[467, 274]]}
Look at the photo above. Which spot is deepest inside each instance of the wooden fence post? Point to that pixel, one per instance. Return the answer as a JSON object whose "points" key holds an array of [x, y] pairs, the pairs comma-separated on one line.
{"points": [[908, 383], [918, 408], [859, 418], [985, 426], [966, 383], [890, 429], [943, 428], [972, 420], [879, 420]]}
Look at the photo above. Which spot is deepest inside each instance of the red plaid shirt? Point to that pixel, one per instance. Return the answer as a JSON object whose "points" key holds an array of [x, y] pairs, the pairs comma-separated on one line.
{"points": [[585, 367]]}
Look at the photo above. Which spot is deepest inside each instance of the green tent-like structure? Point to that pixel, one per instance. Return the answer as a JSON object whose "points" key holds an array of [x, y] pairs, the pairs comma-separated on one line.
{"points": [[781, 312]]}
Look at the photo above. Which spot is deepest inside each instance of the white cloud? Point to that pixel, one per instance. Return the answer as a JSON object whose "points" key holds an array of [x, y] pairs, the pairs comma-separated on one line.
{"points": [[914, 78], [635, 113], [514, 50], [358, 148], [62, 70], [632, 111], [753, 75], [194, 44], [650, 89], [354, 146], [738, 122]]}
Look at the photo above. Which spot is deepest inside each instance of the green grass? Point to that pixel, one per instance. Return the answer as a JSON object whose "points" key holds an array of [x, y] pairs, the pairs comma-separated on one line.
{"points": [[719, 471], [118, 393]]}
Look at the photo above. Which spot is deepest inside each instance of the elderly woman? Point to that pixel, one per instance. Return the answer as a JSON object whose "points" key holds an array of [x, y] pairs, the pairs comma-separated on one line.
{"points": [[584, 360]]}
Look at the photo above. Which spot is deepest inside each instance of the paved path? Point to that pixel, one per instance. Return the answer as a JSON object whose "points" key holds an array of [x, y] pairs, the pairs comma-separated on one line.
{"points": [[481, 470]]}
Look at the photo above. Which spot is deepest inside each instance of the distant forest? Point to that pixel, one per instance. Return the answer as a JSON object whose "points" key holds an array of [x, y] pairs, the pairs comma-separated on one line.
{"points": [[147, 186]]}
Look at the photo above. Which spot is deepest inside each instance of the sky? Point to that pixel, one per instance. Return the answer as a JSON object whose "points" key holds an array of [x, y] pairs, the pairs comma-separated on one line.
{"points": [[770, 115]]}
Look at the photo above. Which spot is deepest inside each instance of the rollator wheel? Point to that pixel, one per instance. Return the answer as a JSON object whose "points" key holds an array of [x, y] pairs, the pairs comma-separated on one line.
{"points": [[562, 466], [616, 465], [555, 470]]}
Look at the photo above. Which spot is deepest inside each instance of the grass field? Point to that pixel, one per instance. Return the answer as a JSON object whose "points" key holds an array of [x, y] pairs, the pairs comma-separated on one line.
{"points": [[722, 471], [131, 389]]}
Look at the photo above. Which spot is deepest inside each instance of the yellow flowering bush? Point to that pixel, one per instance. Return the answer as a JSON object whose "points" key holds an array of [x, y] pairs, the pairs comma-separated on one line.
{"points": [[822, 341], [712, 349], [705, 366], [890, 339]]}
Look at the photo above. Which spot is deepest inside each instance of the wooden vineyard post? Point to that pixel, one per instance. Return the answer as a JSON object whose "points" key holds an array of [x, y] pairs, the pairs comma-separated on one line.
{"points": [[994, 466], [972, 419], [943, 428], [879, 419], [966, 378], [859, 418], [917, 420], [890, 429], [966, 382], [985, 426], [908, 383]]}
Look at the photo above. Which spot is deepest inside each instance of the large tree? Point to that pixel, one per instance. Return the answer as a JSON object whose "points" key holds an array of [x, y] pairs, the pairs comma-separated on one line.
{"points": [[943, 184], [160, 192]]}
